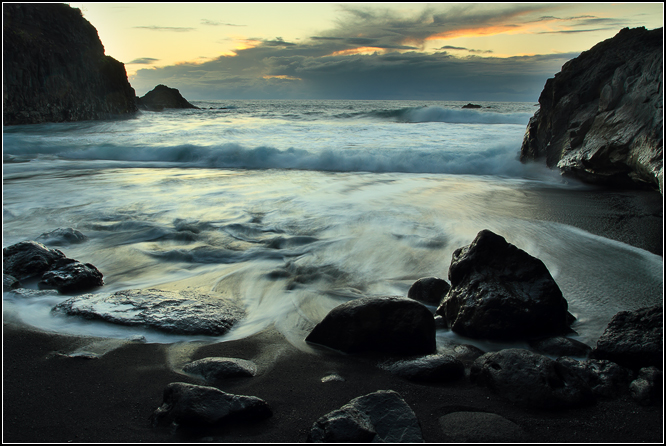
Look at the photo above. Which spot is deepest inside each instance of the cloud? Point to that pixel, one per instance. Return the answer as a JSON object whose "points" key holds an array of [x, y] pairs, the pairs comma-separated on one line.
{"points": [[143, 61], [213, 23], [166, 28]]}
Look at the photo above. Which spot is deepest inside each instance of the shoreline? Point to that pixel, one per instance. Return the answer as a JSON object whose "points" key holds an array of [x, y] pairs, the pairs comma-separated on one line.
{"points": [[51, 397]]}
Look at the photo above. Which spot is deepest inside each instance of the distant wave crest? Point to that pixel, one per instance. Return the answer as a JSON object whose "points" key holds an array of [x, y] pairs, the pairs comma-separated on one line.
{"points": [[439, 114]]}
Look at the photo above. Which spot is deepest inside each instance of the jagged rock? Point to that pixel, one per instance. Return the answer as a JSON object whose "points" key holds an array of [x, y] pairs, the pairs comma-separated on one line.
{"points": [[499, 291], [71, 276], [381, 416], [62, 236], [531, 379], [189, 404], [480, 427], [601, 117], [215, 370], [28, 259], [394, 325], [560, 346], [54, 68], [633, 339], [162, 97], [429, 290], [431, 368], [180, 313], [605, 378], [648, 388]]}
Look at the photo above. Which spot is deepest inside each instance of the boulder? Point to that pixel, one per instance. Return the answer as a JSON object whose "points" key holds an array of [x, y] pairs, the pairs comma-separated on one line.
{"points": [[380, 417], [189, 404], [29, 259], [168, 311], [560, 346], [648, 388], [215, 370], [531, 379], [633, 339], [605, 378], [431, 368], [162, 97], [55, 70], [71, 276], [429, 290], [62, 236], [601, 117], [480, 427], [393, 325], [9, 282], [500, 292]]}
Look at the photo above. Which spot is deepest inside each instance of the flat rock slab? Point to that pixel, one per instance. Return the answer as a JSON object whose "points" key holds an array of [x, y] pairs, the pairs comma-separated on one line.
{"points": [[431, 368], [216, 369], [379, 417], [189, 404], [179, 313], [480, 427]]}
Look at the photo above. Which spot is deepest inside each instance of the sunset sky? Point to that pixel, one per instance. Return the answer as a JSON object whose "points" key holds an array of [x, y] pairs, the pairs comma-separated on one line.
{"points": [[438, 51]]}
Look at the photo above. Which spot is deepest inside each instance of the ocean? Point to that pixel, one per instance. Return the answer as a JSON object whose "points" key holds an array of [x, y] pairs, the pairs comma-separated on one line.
{"points": [[293, 207]]}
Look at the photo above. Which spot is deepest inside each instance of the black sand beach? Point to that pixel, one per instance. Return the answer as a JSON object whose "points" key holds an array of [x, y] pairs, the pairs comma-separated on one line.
{"points": [[49, 397]]}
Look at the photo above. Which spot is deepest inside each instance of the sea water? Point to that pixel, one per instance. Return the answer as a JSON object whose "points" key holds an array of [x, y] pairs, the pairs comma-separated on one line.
{"points": [[293, 207]]}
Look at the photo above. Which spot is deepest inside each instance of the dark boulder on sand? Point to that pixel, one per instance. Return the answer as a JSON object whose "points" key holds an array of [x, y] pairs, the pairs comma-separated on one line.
{"points": [[162, 97], [648, 388], [54, 68], [432, 368], [215, 369], [394, 325], [499, 291], [189, 404], [634, 339], [601, 117], [379, 417]]}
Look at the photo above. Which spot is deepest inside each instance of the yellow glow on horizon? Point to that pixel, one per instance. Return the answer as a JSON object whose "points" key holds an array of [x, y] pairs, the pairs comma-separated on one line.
{"points": [[282, 76], [359, 50]]}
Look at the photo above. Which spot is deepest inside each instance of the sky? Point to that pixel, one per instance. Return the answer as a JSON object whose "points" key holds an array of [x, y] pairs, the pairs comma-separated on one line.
{"points": [[411, 51]]}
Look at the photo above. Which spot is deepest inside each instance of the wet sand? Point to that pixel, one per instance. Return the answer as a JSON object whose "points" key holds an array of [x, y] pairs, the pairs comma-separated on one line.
{"points": [[51, 397]]}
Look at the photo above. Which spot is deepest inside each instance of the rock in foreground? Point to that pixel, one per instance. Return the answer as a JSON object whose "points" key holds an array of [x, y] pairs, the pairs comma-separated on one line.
{"points": [[379, 417], [499, 291], [178, 313], [601, 118], [54, 68], [393, 325]]}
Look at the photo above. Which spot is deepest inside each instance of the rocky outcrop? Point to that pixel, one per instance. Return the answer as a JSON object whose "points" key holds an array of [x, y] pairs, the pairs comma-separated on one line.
{"points": [[162, 97], [601, 117], [55, 69], [393, 325], [499, 291]]}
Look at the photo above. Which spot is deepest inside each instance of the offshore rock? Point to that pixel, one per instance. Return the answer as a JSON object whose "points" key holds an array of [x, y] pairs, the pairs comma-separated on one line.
{"points": [[179, 313], [601, 117], [429, 290], [634, 339], [394, 325], [162, 97], [528, 378], [189, 404], [55, 70], [499, 291], [379, 417]]}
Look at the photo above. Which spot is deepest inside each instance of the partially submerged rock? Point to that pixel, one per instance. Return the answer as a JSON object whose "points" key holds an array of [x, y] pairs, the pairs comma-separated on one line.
{"points": [[179, 313], [162, 97], [634, 339], [380, 417], [500, 292], [71, 276], [62, 236], [29, 259], [189, 404], [393, 325], [531, 379], [429, 290]]}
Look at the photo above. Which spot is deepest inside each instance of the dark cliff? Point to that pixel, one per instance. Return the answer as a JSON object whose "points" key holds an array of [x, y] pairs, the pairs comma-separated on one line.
{"points": [[55, 69], [601, 117]]}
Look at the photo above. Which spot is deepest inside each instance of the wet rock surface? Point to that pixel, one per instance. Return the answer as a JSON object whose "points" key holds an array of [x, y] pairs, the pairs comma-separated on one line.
{"points": [[215, 370], [179, 313], [500, 292], [429, 290], [393, 325], [432, 368], [381, 416]]}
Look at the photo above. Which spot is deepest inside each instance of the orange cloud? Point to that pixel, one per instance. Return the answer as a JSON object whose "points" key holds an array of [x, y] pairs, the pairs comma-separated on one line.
{"points": [[359, 50]]}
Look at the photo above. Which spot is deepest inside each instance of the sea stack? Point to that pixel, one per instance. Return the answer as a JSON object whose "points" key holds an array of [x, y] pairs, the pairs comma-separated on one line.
{"points": [[55, 69], [601, 117]]}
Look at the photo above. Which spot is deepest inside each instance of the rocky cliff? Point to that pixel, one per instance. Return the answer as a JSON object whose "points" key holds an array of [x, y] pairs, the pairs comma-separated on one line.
{"points": [[55, 69], [601, 118]]}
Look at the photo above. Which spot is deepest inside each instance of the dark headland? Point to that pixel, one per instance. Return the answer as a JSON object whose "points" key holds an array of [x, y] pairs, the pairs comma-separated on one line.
{"points": [[51, 395]]}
